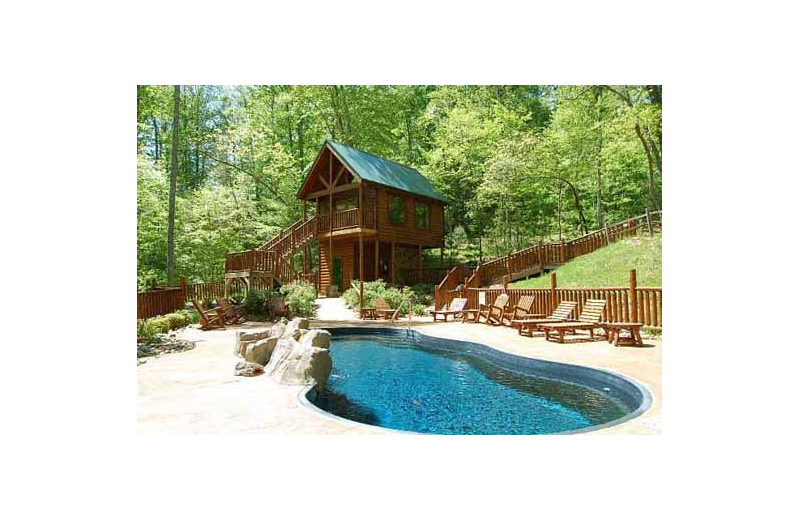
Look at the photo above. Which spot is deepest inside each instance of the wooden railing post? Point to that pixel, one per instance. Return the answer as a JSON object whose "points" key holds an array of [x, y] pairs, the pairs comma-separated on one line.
{"points": [[634, 303], [183, 288], [649, 224], [553, 303]]}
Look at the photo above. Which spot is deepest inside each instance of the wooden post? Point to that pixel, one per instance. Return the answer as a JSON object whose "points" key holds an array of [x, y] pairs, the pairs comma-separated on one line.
{"points": [[377, 250], [441, 257], [634, 312], [183, 287], [391, 266], [361, 274], [305, 249], [360, 208], [608, 237], [505, 283], [330, 220], [649, 224], [553, 303], [419, 256]]}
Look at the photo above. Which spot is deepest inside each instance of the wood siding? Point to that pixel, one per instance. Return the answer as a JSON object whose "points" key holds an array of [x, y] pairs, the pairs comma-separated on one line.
{"points": [[408, 232], [342, 249]]}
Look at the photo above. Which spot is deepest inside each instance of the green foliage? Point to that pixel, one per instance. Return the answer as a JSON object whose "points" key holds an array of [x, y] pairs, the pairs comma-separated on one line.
{"points": [[394, 297], [518, 163], [256, 302], [150, 327], [609, 266], [300, 298]]}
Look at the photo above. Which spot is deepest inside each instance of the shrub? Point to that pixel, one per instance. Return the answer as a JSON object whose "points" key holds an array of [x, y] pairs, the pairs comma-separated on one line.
{"points": [[256, 302], [151, 327], [394, 297], [300, 298]]}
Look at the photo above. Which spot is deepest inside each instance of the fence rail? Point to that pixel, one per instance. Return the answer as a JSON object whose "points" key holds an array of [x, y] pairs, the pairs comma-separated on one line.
{"points": [[159, 301], [632, 303]]}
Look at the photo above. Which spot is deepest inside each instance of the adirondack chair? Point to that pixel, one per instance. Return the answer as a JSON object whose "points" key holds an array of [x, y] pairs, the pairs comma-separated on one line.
{"points": [[211, 318], [384, 311], [493, 313], [233, 313], [562, 313], [523, 309], [588, 320], [456, 306]]}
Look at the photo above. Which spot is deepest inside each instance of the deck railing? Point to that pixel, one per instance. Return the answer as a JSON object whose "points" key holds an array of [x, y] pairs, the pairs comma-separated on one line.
{"points": [[550, 255], [632, 303], [253, 259], [159, 301]]}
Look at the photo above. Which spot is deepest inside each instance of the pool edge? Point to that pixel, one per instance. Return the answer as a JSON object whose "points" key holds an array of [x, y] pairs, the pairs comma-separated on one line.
{"points": [[644, 406]]}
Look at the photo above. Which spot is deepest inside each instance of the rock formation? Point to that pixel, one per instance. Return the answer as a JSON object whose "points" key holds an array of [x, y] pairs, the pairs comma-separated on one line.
{"points": [[288, 352]]}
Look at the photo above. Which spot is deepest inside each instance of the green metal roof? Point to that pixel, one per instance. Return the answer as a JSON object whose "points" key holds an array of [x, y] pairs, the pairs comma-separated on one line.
{"points": [[382, 171]]}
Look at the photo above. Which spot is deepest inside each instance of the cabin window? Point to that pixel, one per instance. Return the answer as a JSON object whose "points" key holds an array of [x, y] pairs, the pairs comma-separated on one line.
{"points": [[423, 216], [397, 210], [345, 204]]}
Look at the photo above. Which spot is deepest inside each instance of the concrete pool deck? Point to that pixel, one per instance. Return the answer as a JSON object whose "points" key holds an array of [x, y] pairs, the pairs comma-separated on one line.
{"points": [[196, 392]]}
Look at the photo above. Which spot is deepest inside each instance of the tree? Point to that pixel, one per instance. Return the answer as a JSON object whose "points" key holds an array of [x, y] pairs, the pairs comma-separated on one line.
{"points": [[173, 183]]}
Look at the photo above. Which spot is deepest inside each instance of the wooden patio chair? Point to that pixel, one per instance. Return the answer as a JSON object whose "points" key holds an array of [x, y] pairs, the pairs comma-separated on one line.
{"points": [[384, 311], [209, 318], [522, 310], [233, 313], [588, 320], [456, 306], [495, 312], [526, 326]]}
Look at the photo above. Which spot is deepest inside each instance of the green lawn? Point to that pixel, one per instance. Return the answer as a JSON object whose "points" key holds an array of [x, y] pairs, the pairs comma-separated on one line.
{"points": [[609, 266]]}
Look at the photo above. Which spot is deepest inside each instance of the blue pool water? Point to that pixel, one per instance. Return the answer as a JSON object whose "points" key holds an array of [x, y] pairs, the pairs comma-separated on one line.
{"points": [[429, 385]]}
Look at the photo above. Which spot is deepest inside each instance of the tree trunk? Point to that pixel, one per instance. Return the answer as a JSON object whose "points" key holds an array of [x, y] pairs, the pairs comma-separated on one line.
{"points": [[598, 98], [155, 136], [173, 183]]}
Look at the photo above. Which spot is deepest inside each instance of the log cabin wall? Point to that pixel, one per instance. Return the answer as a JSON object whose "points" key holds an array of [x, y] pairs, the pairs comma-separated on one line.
{"points": [[408, 232], [342, 249]]}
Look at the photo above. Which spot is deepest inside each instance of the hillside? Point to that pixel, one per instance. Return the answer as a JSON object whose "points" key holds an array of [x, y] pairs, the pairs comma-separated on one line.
{"points": [[609, 266]]}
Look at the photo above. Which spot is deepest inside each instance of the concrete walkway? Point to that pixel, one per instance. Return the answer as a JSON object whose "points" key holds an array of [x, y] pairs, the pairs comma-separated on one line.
{"points": [[333, 309], [196, 392]]}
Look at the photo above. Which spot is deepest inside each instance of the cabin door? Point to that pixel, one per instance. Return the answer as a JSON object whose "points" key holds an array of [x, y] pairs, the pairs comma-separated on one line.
{"points": [[337, 273]]}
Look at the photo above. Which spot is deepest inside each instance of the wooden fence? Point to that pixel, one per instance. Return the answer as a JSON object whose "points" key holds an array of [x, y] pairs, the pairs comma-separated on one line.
{"points": [[205, 291], [632, 303], [159, 301]]}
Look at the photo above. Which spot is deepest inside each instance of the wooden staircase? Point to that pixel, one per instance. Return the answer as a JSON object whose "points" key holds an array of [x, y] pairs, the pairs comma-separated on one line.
{"points": [[272, 262], [536, 259]]}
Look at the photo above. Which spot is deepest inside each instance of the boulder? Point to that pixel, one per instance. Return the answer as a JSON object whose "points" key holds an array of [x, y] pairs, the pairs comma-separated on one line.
{"points": [[300, 362], [260, 351], [243, 339], [243, 368]]}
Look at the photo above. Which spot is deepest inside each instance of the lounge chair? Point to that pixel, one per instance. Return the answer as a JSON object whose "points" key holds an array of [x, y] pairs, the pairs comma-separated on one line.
{"points": [[456, 306], [588, 320], [210, 318], [493, 313], [526, 326], [384, 311], [522, 310], [233, 313]]}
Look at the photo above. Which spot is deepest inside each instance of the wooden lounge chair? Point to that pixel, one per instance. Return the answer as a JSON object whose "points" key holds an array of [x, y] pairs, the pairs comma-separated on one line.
{"points": [[384, 311], [522, 310], [211, 318], [456, 306], [233, 313], [493, 313], [526, 326], [588, 320]]}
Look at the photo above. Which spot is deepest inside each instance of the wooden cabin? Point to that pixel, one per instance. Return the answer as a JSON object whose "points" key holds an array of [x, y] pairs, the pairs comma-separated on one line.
{"points": [[370, 216]]}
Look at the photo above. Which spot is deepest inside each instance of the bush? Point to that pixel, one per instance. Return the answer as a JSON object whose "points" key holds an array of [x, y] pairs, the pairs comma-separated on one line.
{"points": [[393, 296], [256, 303], [151, 327], [300, 298]]}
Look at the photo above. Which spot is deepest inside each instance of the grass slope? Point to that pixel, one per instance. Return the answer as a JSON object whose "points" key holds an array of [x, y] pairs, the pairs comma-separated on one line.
{"points": [[609, 266]]}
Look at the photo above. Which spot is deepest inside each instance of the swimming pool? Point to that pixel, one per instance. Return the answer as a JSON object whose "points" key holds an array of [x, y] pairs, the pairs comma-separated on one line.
{"points": [[408, 381]]}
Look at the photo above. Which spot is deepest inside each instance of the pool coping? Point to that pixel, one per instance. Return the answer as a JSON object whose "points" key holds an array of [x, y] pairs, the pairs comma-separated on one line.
{"points": [[645, 404]]}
